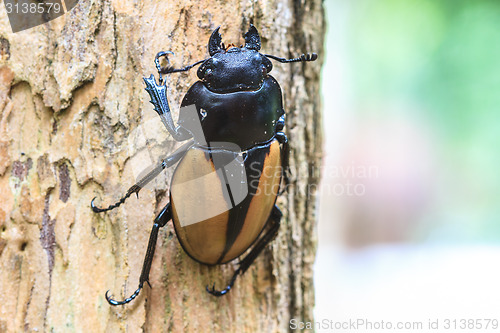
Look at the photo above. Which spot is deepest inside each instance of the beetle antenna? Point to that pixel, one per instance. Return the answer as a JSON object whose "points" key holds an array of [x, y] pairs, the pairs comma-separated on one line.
{"points": [[302, 58]]}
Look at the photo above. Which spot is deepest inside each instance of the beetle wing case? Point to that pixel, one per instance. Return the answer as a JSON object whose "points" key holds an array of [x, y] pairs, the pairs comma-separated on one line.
{"points": [[220, 238]]}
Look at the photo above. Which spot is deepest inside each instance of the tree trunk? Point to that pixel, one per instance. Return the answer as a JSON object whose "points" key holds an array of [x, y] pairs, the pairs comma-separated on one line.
{"points": [[75, 124]]}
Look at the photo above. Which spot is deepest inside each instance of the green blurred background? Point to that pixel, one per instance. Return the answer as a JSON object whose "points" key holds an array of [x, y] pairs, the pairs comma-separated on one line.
{"points": [[412, 90]]}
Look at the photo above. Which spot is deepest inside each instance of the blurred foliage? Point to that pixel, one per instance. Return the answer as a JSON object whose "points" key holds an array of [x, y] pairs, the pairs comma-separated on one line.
{"points": [[442, 59]]}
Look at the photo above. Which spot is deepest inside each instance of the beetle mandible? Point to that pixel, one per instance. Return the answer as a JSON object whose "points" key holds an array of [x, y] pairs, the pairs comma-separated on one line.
{"points": [[222, 203]]}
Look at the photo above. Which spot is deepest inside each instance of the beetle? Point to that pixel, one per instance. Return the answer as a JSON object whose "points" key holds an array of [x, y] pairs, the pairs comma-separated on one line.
{"points": [[223, 191]]}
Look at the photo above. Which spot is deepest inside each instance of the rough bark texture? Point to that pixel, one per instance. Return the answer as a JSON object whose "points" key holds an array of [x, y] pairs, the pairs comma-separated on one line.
{"points": [[75, 122]]}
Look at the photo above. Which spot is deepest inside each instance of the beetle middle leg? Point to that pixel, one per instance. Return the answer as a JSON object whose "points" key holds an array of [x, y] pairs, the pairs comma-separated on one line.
{"points": [[274, 225], [160, 221], [165, 163]]}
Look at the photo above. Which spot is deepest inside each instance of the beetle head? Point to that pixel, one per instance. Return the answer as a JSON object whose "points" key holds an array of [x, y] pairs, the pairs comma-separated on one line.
{"points": [[234, 68]]}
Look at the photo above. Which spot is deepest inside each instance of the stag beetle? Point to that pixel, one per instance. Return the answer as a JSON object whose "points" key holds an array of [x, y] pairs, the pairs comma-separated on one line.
{"points": [[224, 188]]}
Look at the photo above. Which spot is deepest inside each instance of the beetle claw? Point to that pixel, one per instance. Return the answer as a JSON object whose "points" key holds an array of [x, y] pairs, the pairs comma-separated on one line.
{"points": [[217, 292], [126, 300], [111, 300], [207, 288], [95, 208], [157, 61], [164, 54]]}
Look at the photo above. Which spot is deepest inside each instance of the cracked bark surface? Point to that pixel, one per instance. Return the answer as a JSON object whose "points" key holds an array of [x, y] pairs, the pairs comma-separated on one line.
{"points": [[75, 123]]}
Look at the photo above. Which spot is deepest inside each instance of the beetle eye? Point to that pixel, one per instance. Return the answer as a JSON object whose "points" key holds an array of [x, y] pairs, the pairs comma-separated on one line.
{"points": [[208, 73], [204, 69]]}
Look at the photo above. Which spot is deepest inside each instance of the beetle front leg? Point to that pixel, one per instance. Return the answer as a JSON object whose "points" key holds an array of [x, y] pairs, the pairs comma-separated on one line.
{"points": [[158, 94], [160, 221], [274, 221], [169, 69], [165, 163]]}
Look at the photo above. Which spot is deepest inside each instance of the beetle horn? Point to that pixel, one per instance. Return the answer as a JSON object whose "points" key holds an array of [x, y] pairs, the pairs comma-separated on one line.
{"points": [[252, 38], [214, 42]]}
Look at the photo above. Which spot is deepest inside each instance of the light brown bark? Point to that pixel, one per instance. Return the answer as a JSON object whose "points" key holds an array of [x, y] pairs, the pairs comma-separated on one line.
{"points": [[72, 106]]}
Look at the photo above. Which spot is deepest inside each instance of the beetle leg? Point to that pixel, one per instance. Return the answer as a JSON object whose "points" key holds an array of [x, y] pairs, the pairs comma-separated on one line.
{"points": [[165, 163], [158, 94], [274, 222], [169, 69], [160, 221]]}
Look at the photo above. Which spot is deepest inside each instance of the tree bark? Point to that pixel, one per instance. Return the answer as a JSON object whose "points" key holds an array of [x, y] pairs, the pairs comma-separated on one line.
{"points": [[75, 123]]}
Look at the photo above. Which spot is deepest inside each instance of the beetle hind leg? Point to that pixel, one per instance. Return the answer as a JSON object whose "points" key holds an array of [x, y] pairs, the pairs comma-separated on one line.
{"points": [[160, 221], [274, 222], [225, 290]]}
